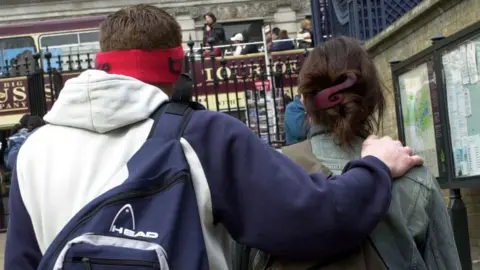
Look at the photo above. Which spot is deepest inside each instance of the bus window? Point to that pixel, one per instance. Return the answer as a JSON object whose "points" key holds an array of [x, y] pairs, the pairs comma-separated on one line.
{"points": [[18, 53], [58, 40], [76, 45], [89, 37]]}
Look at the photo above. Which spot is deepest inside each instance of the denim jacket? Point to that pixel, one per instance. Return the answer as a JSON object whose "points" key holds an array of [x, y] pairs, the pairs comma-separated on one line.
{"points": [[416, 234], [13, 146]]}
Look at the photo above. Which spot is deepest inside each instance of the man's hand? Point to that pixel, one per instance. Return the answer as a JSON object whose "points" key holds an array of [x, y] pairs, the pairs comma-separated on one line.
{"points": [[397, 157]]}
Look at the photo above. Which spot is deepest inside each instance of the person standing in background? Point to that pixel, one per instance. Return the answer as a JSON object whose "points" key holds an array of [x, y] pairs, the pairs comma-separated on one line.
{"points": [[214, 30], [296, 124]]}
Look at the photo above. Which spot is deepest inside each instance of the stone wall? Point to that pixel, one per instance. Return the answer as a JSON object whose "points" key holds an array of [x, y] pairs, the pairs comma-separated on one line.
{"points": [[410, 35]]}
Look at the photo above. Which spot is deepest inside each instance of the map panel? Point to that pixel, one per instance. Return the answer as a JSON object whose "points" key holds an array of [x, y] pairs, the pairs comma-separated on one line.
{"points": [[418, 116]]}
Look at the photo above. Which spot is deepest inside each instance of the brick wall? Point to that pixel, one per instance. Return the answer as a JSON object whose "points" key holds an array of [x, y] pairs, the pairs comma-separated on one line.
{"points": [[410, 35]]}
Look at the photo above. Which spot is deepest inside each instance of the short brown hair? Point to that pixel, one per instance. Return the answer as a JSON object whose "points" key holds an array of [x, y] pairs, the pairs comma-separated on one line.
{"points": [[357, 115], [142, 27], [283, 34]]}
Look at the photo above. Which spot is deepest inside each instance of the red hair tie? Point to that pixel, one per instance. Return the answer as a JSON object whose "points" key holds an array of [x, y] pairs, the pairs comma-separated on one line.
{"points": [[332, 96]]}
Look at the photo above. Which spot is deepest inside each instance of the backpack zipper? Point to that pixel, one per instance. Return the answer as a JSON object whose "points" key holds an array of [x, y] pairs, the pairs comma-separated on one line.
{"points": [[120, 197], [89, 261], [86, 261]]}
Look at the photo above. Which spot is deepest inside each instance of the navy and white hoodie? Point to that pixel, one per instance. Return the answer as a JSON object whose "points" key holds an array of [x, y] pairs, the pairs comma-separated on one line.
{"points": [[243, 187]]}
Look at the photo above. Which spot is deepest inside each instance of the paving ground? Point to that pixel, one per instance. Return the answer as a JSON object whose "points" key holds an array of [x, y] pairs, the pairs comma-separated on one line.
{"points": [[2, 249]]}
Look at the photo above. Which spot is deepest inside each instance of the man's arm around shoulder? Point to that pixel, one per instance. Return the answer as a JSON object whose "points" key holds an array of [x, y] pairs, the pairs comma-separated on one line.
{"points": [[268, 202]]}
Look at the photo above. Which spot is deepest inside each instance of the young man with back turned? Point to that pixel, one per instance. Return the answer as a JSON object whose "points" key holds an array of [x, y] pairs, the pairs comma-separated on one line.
{"points": [[244, 189]]}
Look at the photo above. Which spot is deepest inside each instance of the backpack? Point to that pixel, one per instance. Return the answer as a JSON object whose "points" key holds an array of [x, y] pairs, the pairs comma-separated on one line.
{"points": [[365, 257], [150, 221]]}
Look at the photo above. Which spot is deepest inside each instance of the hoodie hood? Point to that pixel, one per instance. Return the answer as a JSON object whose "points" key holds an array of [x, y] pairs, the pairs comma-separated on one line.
{"points": [[102, 102]]}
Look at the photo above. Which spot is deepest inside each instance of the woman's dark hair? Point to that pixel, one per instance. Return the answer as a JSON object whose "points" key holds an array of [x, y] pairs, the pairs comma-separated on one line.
{"points": [[287, 99], [15, 129], [283, 34], [35, 122], [210, 14], [246, 36], [360, 113], [276, 31], [24, 120]]}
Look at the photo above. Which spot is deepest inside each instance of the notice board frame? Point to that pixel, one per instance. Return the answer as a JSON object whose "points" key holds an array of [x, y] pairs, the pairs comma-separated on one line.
{"points": [[447, 177]]}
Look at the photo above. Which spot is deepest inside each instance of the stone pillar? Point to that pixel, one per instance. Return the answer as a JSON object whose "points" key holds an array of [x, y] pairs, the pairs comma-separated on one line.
{"points": [[285, 18]]}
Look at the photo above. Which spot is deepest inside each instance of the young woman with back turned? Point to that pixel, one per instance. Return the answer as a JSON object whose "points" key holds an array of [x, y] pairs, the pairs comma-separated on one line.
{"points": [[345, 102]]}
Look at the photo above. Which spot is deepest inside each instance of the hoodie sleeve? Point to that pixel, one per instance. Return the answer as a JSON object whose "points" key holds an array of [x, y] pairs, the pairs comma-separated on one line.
{"points": [[266, 201], [21, 250]]}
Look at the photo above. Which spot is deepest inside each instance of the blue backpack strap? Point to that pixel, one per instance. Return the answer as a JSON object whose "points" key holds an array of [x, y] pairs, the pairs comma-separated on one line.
{"points": [[170, 120]]}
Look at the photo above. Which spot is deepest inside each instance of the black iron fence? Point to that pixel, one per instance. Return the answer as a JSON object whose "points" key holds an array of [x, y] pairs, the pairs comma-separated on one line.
{"points": [[254, 88]]}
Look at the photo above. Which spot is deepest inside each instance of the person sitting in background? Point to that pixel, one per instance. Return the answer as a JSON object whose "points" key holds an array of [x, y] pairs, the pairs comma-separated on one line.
{"points": [[283, 43], [271, 35], [296, 126], [306, 35], [243, 37], [236, 39], [15, 142], [19, 134]]}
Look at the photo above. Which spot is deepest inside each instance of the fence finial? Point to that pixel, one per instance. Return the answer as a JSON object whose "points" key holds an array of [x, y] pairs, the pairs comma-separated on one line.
{"points": [[190, 42], [36, 58]]}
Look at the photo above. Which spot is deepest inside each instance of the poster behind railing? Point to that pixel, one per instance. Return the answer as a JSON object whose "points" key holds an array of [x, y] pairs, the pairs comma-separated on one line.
{"points": [[241, 72], [461, 69]]}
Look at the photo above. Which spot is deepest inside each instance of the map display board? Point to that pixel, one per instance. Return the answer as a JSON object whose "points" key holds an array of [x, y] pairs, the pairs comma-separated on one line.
{"points": [[461, 69], [418, 118]]}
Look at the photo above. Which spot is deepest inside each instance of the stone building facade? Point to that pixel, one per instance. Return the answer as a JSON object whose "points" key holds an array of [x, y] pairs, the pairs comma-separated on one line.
{"points": [[286, 14], [410, 35]]}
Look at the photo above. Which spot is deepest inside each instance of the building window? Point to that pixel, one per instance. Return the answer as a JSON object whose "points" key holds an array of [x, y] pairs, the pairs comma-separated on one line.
{"points": [[253, 28]]}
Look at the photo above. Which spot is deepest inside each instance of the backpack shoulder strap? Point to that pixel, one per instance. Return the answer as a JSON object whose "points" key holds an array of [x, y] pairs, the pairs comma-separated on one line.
{"points": [[302, 154], [170, 120]]}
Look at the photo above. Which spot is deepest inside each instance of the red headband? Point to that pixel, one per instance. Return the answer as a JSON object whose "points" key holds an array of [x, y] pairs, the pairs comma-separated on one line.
{"points": [[154, 67], [332, 96]]}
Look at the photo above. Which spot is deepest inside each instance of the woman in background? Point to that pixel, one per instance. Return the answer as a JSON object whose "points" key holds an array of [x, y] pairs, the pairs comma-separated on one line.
{"points": [[215, 31]]}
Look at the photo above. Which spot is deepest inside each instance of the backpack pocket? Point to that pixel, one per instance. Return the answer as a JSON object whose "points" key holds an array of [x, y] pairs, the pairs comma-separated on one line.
{"points": [[101, 252]]}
